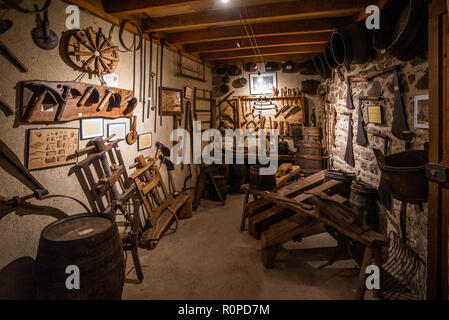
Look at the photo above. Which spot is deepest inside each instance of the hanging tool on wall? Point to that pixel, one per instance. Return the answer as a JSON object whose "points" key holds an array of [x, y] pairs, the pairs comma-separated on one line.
{"points": [[349, 154], [293, 111], [349, 103], [67, 93], [91, 95], [141, 73], [132, 135], [144, 69], [5, 25], [162, 41], [42, 35], [7, 110], [399, 127], [150, 78], [361, 138]]}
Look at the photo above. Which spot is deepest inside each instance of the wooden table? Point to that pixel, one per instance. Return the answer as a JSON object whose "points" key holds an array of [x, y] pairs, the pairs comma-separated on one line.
{"points": [[304, 208]]}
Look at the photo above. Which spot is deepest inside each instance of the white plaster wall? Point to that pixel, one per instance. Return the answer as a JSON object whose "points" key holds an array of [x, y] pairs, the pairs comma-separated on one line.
{"points": [[19, 235]]}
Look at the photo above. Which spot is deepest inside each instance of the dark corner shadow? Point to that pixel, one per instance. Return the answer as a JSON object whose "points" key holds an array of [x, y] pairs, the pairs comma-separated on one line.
{"points": [[17, 280]]}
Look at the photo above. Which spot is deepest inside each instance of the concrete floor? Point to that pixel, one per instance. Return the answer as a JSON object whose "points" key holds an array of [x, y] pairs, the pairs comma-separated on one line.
{"points": [[209, 258]]}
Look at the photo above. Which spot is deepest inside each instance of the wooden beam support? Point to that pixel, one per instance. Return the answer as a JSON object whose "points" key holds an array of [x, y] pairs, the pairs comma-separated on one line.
{"points": [[120, 7], [245, 53], [292, 10], [274, 58], [259, 30], [262, 42], [86, 5]]}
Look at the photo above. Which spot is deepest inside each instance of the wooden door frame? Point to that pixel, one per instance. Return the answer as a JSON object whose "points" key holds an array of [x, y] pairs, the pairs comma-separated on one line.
{"points": [[437, 253]]}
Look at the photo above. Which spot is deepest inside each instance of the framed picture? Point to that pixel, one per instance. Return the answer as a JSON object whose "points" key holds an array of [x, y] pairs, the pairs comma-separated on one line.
{"points": [[262, 83], [119, 129], [144, 141], [52, 147], [91, 128], [422, 111], [171, 101], [375, 114], [188, 93]]}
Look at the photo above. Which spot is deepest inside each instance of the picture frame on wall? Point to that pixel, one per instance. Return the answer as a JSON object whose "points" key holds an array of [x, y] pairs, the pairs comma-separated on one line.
{"points": [[262, 83], [117, 128], [421, 111], [92, 128], [188, 93], [171, 101], [144, 141], [51, 147]]}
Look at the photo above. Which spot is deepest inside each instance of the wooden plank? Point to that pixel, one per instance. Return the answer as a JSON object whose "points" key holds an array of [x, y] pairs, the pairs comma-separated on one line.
{"points": [[437, 226], [285, 231], [259, 29], [292, 10], [262, 42], [120, 7]]}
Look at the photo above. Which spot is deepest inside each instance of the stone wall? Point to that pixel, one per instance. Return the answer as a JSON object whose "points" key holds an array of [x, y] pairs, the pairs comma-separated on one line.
{"points": [[414, 81]]}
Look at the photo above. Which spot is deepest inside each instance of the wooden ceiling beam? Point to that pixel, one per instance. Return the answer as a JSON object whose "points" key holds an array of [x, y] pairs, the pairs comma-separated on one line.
{"points": [[262, 42], [125, 7], [274, 58], [293, 10], [259, 29], [245, 53]]}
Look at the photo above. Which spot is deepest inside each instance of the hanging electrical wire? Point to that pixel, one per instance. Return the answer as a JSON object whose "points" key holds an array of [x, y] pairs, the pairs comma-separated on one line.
{"points": [[251, 37], [254, 36]]}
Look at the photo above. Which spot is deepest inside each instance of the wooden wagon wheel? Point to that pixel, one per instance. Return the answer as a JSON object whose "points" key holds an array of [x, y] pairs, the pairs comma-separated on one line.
{"points": [[92, 52]]}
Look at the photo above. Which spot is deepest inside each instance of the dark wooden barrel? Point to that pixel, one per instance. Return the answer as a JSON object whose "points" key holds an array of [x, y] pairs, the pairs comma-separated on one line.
{"points": [[345, 178], [307, 68], [352, 45], [283, 148], [309, 86], [321, 65], [237, 177], [311, 134], [404, 29], [363, 201], [309, 157], [90, 242], [262, 182], [329, 56]]}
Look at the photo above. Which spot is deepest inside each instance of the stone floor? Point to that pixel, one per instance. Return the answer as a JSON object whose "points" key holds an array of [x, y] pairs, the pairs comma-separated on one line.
{"points": [[209, 258]]}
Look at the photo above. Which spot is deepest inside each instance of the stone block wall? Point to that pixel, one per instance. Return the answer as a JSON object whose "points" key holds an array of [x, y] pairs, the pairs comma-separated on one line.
{"points": [[414, 81]]}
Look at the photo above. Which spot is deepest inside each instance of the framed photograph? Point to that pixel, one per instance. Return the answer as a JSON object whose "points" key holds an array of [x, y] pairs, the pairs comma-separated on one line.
{"points": [[188, 93], [52, 147], [144, 141], [91, 128], [262, 83], [422, 111], [119, 129], [171, 101]]}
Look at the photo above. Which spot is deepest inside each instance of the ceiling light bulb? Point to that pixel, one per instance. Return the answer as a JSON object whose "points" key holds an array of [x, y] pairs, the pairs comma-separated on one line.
{"points": [[224, 1]]}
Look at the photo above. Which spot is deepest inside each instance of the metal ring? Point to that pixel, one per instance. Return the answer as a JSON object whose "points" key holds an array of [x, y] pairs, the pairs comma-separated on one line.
{"points": [[120, 36]]}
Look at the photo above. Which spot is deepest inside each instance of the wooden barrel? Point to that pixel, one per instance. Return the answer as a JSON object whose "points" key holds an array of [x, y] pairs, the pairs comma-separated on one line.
{"points": [[237, 177], [363, 201], [345, 178], [352, 45], [262, 182], [90, 242], [311, 134], [283, 148], [404, 29], [309, 157]]}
